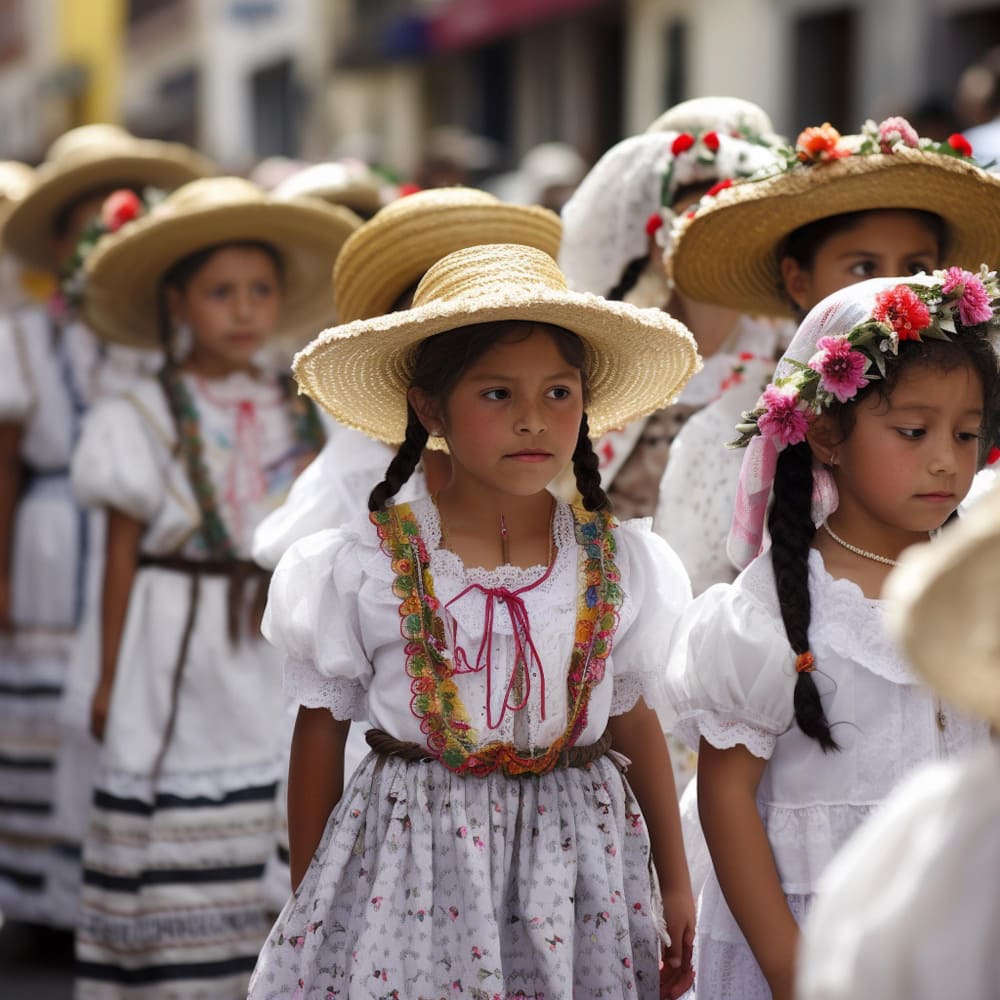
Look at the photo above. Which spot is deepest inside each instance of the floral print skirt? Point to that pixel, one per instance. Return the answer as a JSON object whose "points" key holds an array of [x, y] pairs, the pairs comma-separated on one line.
{"points": [[428, 885]]}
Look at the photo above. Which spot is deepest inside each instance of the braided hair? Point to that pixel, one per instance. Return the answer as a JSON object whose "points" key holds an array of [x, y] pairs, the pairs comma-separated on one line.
{"points": [[439, 363], [792, 530]]}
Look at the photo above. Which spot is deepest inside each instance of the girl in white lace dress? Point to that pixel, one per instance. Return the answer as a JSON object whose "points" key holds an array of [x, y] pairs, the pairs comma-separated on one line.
{"points": [[188, 702], [805, 712], [497, 639]]}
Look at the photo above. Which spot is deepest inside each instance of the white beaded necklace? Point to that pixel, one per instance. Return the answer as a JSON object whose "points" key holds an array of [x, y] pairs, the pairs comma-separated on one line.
{"points": [[885, 560]]}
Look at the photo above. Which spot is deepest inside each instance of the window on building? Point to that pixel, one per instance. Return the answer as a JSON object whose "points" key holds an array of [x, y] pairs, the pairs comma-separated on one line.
{"points": [[825, 63], [277, 105], [676, 72], [139, 10], [12, 36]]}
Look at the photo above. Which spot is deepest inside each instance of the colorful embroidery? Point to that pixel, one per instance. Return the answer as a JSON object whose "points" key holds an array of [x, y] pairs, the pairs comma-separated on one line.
{"points": [[443, 717]]}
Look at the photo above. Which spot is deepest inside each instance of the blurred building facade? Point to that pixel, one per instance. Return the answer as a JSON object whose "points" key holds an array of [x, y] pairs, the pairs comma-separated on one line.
{"points": [[244, 79]]}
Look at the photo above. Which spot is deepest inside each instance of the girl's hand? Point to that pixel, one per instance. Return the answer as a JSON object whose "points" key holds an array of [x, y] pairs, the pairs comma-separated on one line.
{"points": [[677, 972], [99, 711]]}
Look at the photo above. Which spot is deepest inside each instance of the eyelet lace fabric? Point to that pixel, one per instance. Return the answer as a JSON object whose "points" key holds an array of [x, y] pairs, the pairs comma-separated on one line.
{"points": [[343, 696]]}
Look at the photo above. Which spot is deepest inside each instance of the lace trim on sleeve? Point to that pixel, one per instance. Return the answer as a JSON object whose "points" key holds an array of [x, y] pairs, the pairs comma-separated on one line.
{"points": [[343, 696], [724, 734], [627, 689]]}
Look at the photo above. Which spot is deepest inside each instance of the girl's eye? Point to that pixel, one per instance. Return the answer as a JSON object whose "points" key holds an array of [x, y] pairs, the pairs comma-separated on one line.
{"points": [[264, 290], [497, 394], [559, 392], [219, 292], [863, 269], [968, 436], [911, 433], [916, 266]]}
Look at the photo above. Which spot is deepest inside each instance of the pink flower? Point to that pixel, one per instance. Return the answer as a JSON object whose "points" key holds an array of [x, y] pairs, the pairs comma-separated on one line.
{"points": [[901, 308], [782, 418], [894, 130], [841, 369], [973, 299]]}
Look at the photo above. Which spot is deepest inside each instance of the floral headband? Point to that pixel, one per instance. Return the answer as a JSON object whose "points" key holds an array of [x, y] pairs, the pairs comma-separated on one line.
{"points": [[119, 207], [843, 344], [956, 302]]}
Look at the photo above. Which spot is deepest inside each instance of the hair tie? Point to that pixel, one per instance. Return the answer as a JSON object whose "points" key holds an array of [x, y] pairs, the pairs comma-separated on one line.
{"points": [[805, 663]]}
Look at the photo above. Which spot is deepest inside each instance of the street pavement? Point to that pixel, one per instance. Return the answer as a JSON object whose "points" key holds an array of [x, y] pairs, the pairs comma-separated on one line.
{"points": [[35, 963]]}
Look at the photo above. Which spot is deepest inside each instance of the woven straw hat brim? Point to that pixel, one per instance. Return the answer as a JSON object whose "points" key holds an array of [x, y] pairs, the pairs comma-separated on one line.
{"points": [[638, 359], [944, 606], [28, 232], [125, 269], [729, 253], [391, 252]]}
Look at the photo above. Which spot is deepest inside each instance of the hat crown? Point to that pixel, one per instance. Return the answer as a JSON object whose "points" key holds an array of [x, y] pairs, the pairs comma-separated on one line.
{"points": [[90, 140], [489, 271], [211, 192], [15, 178]]}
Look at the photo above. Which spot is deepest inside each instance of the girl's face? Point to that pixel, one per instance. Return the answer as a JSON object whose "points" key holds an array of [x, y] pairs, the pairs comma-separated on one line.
{"points": [[513, 418], [882, 244], [909, 460], [232, 305]]}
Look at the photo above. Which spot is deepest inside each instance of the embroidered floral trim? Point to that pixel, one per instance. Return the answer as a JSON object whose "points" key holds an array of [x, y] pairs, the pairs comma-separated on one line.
{"points": [[444, 720]]}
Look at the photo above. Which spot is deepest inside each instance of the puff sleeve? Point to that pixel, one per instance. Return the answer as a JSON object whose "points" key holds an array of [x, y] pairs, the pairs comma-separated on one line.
{"points": [[657, 592], [119, 462], [313, 618], [731, 673]]}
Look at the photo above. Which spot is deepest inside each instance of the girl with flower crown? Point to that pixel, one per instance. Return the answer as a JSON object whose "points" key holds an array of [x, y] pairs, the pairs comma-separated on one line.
{"points": [[187, 703], [805, 713], [832, 211], [507, 649]]}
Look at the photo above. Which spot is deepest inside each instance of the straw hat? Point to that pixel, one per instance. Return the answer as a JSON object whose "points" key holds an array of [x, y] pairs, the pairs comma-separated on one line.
{"points": [[126, 268], [86, 159], [730, 252], [946, 609], [15, 180], [390, 254], [350, 183], [638, 359]]}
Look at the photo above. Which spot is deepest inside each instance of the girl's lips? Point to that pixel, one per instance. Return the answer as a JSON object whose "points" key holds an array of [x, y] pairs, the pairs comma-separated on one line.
{"points": [[936, 497], [530, 456]]}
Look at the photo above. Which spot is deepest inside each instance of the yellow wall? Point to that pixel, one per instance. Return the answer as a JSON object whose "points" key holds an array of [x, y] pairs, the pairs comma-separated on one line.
{"points": [[92, 36]]}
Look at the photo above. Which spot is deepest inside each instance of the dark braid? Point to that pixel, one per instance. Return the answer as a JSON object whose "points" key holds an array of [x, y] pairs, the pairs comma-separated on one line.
{"points": [[588, 479], [629, 279], [402, 466], [792, 531]]}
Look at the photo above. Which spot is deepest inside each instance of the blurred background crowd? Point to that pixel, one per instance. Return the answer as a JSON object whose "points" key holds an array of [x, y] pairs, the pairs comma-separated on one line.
{"points": [[444, 91]]}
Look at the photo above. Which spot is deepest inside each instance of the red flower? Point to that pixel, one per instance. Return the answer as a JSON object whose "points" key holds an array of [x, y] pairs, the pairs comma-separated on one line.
{"points": [[993, 456], [719, 186], [711, 141], [903, 311], [120, 207], [960, 144], [409, 188], [682, 143], [653, 223]]}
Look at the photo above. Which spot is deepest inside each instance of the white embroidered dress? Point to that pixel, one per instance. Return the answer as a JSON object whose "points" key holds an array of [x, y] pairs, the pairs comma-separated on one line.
{"points": [[425, 879], [731, 680], [205, 816]]}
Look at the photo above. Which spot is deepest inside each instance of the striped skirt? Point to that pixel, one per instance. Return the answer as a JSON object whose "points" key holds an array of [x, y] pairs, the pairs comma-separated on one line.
{"points": [[173, 901]]}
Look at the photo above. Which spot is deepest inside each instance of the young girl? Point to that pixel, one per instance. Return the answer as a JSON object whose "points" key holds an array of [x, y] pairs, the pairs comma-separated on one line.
{"points": [[188, 702], [499, 641], [835, 211], [51, 370], [805, 713]]}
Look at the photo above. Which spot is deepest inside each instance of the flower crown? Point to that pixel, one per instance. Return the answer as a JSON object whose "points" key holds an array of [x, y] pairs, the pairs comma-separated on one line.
{"points": [[119, 207], [957, 303]]}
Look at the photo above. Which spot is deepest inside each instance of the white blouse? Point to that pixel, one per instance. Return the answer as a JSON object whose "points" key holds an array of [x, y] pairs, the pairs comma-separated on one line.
{"points": [[909, 910], [731, 680], [333, 615], [128, 459]]}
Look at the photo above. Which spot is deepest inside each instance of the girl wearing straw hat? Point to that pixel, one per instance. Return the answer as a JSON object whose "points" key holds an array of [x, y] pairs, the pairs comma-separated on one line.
{"points": [[909, 909], [489, 841], [187, 703], [50, 371], [833, 211], [804, 711]]}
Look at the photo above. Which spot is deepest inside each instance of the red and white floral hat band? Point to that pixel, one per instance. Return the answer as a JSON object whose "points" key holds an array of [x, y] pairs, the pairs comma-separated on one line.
{"points": [[847, 341]]}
